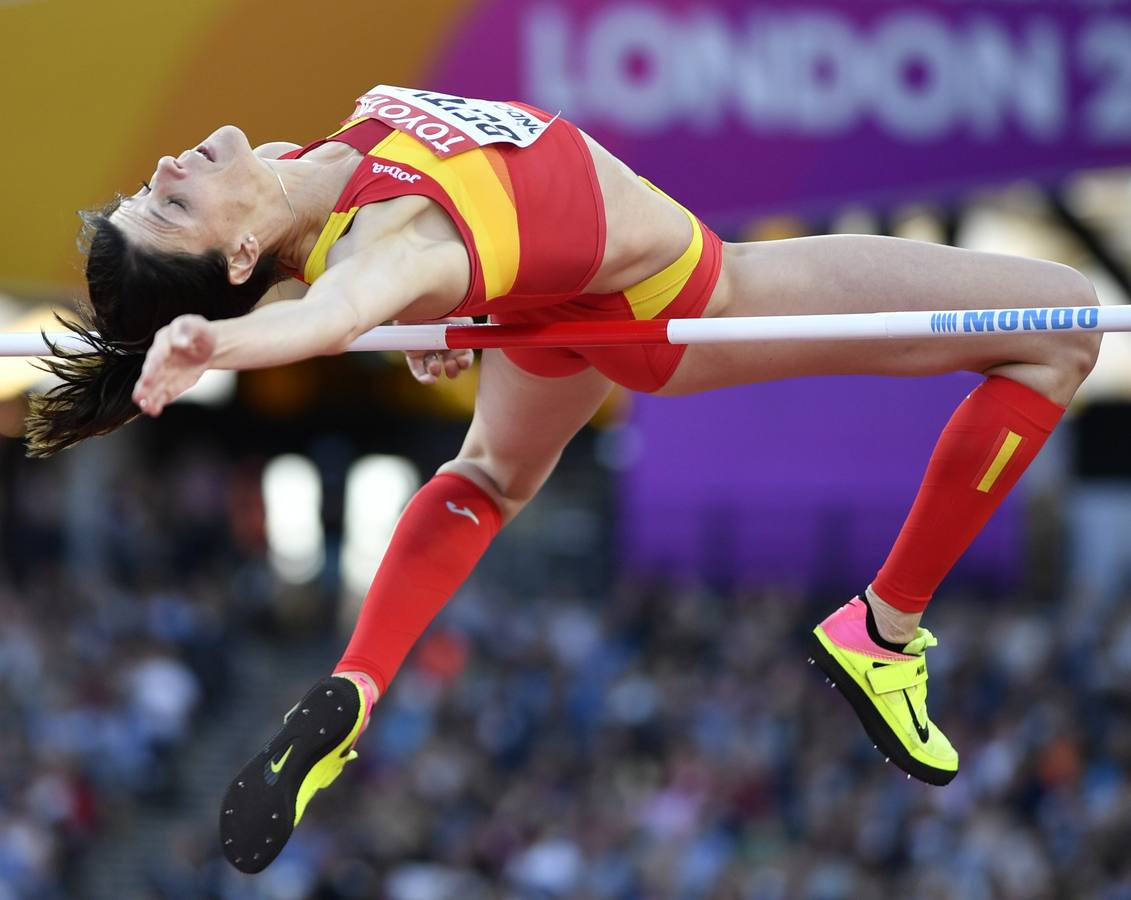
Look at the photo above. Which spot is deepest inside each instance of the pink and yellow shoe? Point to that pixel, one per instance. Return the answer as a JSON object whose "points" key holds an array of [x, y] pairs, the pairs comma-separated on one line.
{"points": [[888, 690]]}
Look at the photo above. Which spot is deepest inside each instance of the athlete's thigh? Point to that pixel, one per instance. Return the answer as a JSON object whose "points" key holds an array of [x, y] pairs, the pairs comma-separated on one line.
{"points": [[522, 422], [863, 273]]}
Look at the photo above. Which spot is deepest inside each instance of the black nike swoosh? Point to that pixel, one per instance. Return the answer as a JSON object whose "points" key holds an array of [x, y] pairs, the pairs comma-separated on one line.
{"points": [[924, 732]]}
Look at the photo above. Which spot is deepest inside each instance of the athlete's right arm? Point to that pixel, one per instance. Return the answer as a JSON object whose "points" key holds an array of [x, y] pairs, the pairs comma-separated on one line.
{"points": [[371, 286]]}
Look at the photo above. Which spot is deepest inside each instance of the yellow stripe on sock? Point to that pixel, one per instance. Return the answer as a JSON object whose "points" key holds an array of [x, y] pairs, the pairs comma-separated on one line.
{"points": [[1008, 448]]}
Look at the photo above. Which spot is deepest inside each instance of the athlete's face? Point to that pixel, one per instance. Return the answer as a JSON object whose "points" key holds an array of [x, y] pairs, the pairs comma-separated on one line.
{"points": [[205, 198]]}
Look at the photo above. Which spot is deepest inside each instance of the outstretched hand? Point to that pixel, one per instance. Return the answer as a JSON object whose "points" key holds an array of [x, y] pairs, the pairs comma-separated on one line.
{"points": [[180, 354], [426, 365]]}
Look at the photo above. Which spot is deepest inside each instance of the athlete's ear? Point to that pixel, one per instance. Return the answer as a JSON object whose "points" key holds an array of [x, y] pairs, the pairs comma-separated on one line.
{"points": [[241, 262]]}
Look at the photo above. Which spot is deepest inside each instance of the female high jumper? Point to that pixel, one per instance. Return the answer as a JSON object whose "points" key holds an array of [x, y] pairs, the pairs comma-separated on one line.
{"points": [[424, 206]]}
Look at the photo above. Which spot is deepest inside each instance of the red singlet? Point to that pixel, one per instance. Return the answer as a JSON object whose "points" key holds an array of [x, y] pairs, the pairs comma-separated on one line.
{"points": [[532, 220]]}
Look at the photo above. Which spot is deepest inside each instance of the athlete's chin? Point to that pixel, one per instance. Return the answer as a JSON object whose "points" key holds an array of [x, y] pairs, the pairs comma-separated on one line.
{"points": [[228, 143]]}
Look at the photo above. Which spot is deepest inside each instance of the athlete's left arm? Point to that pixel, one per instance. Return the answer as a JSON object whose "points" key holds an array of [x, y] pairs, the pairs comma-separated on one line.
{"points": [[371, 286]]}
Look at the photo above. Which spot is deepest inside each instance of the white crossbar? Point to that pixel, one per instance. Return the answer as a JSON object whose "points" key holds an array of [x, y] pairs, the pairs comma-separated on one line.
{"points": [[842, 327]]}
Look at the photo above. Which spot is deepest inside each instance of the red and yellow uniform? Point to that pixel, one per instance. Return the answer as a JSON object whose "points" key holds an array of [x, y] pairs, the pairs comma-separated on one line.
{"points": [[532, 220]]}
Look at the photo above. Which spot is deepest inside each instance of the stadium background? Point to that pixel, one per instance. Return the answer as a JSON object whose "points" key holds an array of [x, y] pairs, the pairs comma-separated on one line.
{"points": [[617, 704]]}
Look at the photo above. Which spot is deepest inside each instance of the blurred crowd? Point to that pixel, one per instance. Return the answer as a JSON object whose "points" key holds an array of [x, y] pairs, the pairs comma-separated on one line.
{"points": [[673, 743], [643, 742], [105, 666]]}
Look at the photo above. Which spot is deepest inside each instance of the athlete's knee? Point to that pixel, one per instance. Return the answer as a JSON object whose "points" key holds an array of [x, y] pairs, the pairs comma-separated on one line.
{"points": [[1068, 356], [1058, 362], [1081, 355], [1077, 351], [509, 483]]}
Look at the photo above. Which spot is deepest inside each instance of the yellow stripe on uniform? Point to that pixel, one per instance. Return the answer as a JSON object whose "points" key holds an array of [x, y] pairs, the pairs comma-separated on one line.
{"points": [[650, 296], [346, 127], [481, 199], [1008, 448], [334, 228], [335, 225]]}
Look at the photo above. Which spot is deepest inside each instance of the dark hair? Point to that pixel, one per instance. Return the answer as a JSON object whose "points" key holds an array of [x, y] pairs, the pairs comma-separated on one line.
{"points": [[134, 292]]}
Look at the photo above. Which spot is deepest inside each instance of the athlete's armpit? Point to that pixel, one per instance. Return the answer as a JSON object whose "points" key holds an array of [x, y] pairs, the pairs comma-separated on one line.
{"points": [[412, 241]]}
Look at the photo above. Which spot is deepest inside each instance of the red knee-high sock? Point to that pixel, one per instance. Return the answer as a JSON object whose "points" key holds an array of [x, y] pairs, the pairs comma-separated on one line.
{"points": [[439, 538], [989, 441]]}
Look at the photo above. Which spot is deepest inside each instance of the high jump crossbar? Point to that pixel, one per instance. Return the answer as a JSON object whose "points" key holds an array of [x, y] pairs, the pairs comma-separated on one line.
{"points": [[837, 327]]}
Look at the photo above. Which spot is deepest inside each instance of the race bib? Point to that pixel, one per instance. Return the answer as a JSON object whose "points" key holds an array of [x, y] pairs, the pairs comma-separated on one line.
{"points": [[447, 124]]}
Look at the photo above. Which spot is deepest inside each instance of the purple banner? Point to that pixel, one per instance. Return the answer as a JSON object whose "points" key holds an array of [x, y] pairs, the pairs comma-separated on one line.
{"points": [[739, 108], [802, 482]]}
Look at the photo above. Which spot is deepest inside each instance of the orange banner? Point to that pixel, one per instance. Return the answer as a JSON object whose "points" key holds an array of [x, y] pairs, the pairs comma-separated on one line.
{"points": [[95, 93]]}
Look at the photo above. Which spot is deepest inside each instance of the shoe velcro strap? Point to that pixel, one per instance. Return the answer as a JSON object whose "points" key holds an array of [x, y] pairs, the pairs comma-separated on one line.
{"points": [[897, 676]]}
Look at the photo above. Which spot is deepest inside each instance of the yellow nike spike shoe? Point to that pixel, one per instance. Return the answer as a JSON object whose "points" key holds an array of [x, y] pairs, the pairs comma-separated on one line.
{"points": [[266, 800], [888, 691]]}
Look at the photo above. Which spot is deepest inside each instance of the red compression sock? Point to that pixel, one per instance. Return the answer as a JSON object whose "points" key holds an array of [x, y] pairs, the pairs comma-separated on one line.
{"points": [[439, 538], [989, 441]]}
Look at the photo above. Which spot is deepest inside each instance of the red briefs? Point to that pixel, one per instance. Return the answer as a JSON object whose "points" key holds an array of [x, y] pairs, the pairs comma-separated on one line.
{"points": [[680, 291]]}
